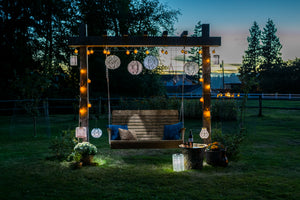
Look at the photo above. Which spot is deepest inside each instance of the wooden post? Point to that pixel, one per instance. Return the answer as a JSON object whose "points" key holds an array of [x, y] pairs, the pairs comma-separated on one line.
{"points": [[206, 70], [84, 88]]}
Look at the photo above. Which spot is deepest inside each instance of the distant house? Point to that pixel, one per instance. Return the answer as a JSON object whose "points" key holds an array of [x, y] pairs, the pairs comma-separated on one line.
{"points": [[173, 83]]}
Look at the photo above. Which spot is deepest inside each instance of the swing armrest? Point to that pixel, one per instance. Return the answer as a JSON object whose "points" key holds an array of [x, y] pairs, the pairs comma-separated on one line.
{"points": [[109, 135], [182, 131]]}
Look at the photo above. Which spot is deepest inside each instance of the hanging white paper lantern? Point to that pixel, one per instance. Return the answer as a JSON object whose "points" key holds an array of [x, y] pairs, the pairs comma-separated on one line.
{"points": [[135, 67], [150, 62], [80, 132], [191, 68], [96, 132], [112, 62]]}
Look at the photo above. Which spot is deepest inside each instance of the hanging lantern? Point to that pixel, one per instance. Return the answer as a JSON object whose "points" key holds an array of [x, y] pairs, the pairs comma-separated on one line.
{"points": [[150, 62], [73, 60], [96, 132], [89, 105], [201, 99], [127, 52], [108, 52], [200, 51], [162, 51], [80, 132], [166, 52], [135, 51], [178, 162], [76, 51], [147, 52], [112, 62], [104, 51], [204, 134], [191, 68], [182, 51], [83, 89], [92, 51], [213, 51], [89, 80], [135, 67]]}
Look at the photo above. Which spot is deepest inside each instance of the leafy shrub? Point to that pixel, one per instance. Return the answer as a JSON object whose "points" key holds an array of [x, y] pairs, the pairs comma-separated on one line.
{"points": [[63, 145], [224, 109], [231, 142], [85, 148]]}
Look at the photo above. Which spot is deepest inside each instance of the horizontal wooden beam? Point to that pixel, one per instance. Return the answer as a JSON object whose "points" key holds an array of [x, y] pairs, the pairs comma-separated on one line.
{"points": [[140, 41]]}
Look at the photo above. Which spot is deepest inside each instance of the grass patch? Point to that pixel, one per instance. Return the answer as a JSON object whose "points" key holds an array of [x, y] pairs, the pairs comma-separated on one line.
{"points": [[269, 165]]}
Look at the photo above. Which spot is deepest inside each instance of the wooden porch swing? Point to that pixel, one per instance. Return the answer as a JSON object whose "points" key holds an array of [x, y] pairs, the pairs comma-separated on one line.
{"points": [[149, 124]]}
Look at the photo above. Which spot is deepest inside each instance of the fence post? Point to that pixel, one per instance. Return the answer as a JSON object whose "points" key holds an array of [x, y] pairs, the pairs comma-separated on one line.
{"points": [[260, 105]]}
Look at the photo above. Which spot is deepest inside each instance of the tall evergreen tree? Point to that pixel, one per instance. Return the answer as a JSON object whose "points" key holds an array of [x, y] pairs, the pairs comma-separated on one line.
{"points": [[251, 60], [252, 57], [270, 47]]}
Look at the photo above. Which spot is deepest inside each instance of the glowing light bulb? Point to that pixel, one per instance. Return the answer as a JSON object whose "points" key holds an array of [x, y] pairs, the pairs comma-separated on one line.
{"points": [[213, 51], [89, 81], [108, 52], [207, 60], [76, 51], [147, 52], [182, 51], [83, 89], [162, 51], [82, 71], [206, 113], [202, 99], [104, 51], [135, 51], [82, 111], [207, 87], [200, 51], [92, 51], [201, 80], [88, 52], [127, 52], [166, 52], [185, 52], [89, 105]]}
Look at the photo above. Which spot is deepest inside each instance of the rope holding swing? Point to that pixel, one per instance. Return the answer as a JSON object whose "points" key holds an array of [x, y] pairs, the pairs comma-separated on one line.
{"points": [[108, 94]]}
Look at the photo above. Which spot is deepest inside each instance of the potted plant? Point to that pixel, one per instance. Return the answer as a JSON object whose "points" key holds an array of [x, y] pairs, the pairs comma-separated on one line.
{"points": [[216, 154], [86, 151]]}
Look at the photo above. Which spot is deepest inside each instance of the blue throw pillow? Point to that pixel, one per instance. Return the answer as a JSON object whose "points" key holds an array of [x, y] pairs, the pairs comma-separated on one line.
{"points": [[172, 132], [115, 131]]}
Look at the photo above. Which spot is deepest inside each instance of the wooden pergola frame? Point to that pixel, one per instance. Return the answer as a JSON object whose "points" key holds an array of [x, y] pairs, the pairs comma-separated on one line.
{"points": [[83, 42]]}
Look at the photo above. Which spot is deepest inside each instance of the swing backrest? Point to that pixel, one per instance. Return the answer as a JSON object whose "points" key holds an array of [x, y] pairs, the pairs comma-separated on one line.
{"points": [[148, 124]]}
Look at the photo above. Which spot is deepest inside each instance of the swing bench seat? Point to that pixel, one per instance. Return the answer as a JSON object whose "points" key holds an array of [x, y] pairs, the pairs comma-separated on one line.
{"points": [[148, 126]]}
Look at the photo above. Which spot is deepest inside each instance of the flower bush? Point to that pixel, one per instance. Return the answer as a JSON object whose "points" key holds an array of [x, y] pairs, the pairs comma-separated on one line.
{"points": [[85, 148], [215, 146]]}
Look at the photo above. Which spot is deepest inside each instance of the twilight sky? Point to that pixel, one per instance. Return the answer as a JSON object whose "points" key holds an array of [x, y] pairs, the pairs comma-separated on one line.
{"points": [[232, 19]]}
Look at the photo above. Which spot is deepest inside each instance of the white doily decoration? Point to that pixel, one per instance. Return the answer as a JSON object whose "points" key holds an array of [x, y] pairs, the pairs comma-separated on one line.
{"points": [[96, 132], [150, 62], [191, 68], [204, 133], [135, 67], [112, 62]]}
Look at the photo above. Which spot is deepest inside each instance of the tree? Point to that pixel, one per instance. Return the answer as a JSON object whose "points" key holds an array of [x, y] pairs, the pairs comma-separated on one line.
{"points": [[270, 47], [117, 17], [252, 58]]}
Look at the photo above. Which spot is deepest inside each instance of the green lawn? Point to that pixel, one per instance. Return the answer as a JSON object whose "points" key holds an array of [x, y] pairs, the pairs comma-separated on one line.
{"points": [[269, 165]]}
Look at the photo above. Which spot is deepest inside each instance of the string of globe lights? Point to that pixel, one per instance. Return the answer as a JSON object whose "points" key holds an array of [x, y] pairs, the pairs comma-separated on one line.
{"points": [[150, 62]]}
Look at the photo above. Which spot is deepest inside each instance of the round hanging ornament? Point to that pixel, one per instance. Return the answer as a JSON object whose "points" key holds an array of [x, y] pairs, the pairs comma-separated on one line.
{"points": [[150, 62], [112, 62], [135, 67], [191, 68], [96, 132]]}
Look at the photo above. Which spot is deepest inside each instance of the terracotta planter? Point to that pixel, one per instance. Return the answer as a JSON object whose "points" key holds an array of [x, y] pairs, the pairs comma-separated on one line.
{"points": [[87, 160], [216, 158]]}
